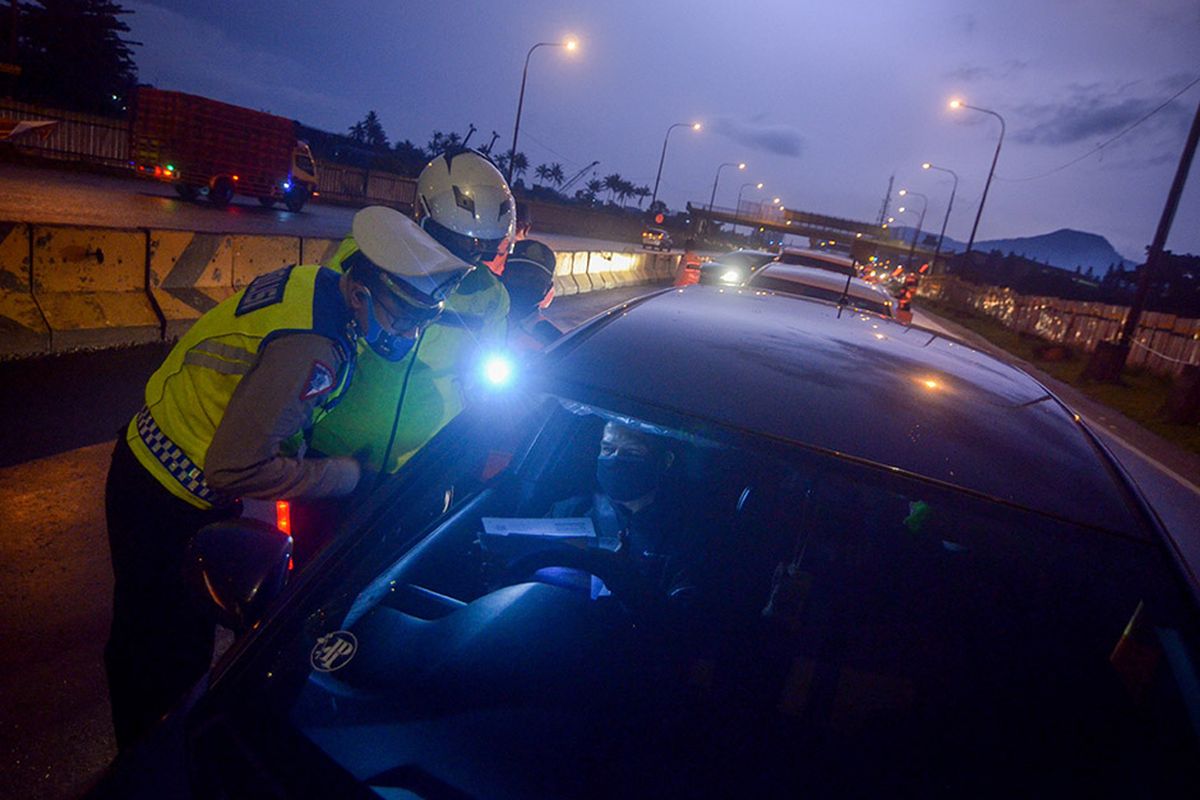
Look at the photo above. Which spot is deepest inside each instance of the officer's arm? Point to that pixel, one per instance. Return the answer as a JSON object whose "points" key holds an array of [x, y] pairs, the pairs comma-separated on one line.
{"points": [[274, 401]]}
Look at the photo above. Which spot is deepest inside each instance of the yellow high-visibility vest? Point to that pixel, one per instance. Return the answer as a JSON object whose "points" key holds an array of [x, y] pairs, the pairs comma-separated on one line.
{"points": [[187, 396]]}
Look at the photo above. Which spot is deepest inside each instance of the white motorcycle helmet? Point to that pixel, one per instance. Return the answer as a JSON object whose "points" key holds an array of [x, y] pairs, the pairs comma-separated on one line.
{"points": [[466, 205]]}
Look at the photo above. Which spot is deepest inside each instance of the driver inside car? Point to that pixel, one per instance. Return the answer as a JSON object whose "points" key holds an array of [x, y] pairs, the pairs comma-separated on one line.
{"points": [[640, 509]]}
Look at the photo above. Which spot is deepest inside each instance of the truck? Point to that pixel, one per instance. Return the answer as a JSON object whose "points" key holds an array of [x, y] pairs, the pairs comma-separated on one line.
{"points": [[206, 147]]}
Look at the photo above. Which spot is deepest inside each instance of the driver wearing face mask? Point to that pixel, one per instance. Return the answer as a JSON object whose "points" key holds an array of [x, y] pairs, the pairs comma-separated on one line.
{"points": [[638, 510]]}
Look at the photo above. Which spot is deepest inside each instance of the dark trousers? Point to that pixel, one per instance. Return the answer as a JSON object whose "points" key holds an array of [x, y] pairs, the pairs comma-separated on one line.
{"points": [[160, 643]]}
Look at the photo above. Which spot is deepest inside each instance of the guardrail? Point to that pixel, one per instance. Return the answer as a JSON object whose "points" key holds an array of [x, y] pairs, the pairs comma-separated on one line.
{"points": [[65, 288], [1164, 343], [76, 137]]}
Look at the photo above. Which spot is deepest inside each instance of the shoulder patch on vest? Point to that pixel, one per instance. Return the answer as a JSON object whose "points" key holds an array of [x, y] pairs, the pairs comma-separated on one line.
{"points": [[320, 380], [265, 290]]}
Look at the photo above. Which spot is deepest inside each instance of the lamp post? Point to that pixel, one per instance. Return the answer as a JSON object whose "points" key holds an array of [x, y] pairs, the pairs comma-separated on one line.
{"points": [[956, 104], [694, 126], [713, 197], [920, 223], [569, 44], [742, 189], [937, 250]]}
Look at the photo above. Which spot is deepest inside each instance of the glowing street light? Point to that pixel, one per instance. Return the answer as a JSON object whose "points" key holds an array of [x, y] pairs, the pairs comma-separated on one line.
{"points": [[740, 165], [742, 188], [694, 126], [957, 104], [920, 223], [937, 250], [570, 44]]}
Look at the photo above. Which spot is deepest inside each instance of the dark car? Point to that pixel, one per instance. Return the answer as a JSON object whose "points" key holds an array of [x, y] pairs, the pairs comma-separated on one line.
{"points": [[875, 562], [822, 284]]}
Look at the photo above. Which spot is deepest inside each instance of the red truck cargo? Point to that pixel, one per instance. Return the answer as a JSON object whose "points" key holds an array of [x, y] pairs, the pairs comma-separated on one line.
{"points": [[207, 147]]}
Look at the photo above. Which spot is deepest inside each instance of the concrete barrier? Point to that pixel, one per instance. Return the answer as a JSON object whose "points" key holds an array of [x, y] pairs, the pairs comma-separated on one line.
{"points": [[579, 272], [23, 329], [317, 251], [564, 284], [90, 284], [258, 255], [65, 287], [189, 274]]}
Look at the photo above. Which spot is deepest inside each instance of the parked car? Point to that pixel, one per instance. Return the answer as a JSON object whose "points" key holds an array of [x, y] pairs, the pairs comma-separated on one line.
{"points": [[735, 267], [874, 561], [656, 239], [823, 285]]}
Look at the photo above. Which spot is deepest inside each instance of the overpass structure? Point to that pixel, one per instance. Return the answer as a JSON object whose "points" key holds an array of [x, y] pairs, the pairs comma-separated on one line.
{"points": [[861, 239]]}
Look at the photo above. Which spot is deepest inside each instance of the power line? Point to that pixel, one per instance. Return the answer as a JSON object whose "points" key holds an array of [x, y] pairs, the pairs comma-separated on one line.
{"points": [[1105, 144]]}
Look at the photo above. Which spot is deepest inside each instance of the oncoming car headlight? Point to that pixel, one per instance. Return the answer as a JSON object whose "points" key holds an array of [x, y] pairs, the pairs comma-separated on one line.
{"points": [[731, 276]]}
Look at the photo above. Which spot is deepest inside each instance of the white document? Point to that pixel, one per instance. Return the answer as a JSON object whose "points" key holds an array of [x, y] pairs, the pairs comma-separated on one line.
{"points": [[566, 527]]}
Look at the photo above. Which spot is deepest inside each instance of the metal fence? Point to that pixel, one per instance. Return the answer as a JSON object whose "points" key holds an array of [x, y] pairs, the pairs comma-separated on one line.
{"points": [[76, 137], [355, 186], [1164, 343]]}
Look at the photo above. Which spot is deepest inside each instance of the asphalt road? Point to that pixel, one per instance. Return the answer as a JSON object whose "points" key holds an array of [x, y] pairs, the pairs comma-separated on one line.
{"points": [[72, 197]]}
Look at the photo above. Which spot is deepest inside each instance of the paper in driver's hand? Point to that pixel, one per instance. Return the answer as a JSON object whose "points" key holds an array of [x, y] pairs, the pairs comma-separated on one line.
{"points": [[548, 527]]}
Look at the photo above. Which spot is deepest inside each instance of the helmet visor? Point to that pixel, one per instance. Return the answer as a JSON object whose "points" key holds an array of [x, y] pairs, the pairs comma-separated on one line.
{"points": [[471, 249]]}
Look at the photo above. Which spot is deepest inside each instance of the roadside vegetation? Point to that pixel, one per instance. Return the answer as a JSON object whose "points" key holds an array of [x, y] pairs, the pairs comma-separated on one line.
{"points": [[1139, 396]]}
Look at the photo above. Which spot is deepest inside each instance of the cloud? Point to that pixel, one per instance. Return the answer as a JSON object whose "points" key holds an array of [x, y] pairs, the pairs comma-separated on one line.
{"points": [[1094, 111], [782, 140], [969, 73]]}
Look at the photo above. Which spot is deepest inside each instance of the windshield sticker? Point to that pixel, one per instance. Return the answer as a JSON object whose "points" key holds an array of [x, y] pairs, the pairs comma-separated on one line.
{"points": [[333, 651]]}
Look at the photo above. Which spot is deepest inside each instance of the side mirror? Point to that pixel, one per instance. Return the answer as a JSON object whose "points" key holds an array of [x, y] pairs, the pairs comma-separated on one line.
{"points": [[236, 567]]}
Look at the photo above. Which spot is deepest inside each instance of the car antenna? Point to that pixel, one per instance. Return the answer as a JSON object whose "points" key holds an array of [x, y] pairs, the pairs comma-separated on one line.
{"points": [[470, 130], [845, 298]]}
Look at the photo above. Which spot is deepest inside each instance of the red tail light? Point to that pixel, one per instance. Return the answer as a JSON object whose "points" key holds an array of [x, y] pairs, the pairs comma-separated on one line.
{"points": [[283, 516]]}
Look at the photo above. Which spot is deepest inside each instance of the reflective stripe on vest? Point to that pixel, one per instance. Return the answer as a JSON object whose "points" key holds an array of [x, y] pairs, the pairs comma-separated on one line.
{"points": [[180, 467]]}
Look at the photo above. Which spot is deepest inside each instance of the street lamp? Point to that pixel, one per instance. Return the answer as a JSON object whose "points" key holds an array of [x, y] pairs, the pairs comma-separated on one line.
{"points": [[694, 126], [570, 45], [920, 222], [956, 104], [743, 188], [937, 250], [739, 165]]}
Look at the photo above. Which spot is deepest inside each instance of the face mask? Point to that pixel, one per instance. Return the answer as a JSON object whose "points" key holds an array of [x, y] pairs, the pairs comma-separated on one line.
{"points": [[625, 478], [387, 346]]}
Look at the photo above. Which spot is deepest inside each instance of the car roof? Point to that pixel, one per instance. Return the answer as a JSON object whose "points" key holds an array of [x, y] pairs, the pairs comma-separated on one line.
{"points": [[822, 255], [851, 383], [820, 278]]}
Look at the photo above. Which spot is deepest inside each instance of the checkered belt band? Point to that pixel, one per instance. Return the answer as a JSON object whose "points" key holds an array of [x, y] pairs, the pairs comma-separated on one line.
{"points": [[182, 469]]}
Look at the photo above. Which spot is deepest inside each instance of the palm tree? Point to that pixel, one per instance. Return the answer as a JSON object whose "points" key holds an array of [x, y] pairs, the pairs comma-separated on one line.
{"points": [[612, 183], [520, 163], [593, 188], [556, 175], [624, 190], [542, 172], [641, 192]]}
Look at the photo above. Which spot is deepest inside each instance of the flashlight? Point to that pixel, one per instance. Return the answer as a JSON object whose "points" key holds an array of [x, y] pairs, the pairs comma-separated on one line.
{"points": [[498, 370]]}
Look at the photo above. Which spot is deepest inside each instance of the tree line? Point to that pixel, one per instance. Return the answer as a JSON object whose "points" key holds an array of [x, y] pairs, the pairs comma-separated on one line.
{"points": [[409, 157]]}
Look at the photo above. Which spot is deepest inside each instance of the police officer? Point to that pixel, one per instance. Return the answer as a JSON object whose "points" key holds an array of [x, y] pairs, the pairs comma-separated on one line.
{"points": [[225, 417], [396, 406], [529, 278]]}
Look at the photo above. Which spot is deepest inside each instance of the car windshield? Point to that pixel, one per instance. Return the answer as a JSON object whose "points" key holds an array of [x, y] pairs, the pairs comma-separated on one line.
{"points": [[806, 260], [597, 600], [855, 298]]}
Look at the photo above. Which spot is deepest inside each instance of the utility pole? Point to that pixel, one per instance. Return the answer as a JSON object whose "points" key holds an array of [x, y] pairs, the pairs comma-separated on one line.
{"points": [[1109, 359], [887, 201]]}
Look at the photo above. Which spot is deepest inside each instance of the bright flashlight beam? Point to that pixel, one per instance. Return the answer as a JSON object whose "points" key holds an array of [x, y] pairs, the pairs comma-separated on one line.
{"points": [[498, 370]]}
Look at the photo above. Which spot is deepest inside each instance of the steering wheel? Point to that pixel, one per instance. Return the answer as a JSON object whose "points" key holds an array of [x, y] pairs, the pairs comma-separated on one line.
{"points": [[635, 592]]}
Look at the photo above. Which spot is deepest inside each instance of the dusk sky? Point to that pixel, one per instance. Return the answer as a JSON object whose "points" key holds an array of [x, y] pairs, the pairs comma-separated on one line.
{"points": [[823, 100]]}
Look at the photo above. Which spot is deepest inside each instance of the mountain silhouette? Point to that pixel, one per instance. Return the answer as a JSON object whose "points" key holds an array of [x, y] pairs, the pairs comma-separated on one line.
{"points": [[1064, 248]]}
